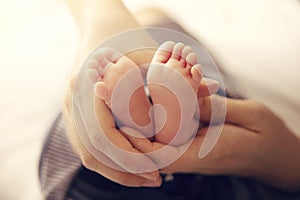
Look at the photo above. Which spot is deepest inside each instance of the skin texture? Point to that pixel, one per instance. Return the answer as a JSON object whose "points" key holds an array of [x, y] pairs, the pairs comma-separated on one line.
{"points": [[106, 82], [182, 60], [254, 142]]}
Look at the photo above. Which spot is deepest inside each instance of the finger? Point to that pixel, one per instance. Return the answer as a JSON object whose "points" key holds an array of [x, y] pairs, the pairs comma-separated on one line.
{"points": [[67, 106], [109, 155], [160, 153], [114, 145], [106, 167], [231, 154], [208, 87], [104, 115], [246, 113], [144, 145], [212, 109], [121, 177], [84, 148], [120, 150]]}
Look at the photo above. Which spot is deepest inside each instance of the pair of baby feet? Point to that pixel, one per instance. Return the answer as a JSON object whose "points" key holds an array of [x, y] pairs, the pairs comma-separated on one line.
{"points": [[172, 63]]}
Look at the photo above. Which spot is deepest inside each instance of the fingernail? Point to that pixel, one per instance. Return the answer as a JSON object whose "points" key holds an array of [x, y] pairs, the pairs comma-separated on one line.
{"points": [[150, 177], [151, 184], [212, 85]]}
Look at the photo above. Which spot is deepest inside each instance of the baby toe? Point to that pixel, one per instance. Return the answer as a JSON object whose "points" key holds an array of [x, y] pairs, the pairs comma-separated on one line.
{"points": [[94, 69], [164, 52], [186, 51], [93, 75], [177, 50], [103, 61], [196, 72], [191, 59], [92, 64], [110, 54]]}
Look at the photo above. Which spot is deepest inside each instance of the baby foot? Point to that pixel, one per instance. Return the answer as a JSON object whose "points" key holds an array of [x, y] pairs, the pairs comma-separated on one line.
{"points": [[174, 63], [107, 70]]}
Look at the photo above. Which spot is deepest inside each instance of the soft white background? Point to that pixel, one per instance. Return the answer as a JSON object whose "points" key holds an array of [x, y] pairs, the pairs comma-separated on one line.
{"points": [[257, 41]]}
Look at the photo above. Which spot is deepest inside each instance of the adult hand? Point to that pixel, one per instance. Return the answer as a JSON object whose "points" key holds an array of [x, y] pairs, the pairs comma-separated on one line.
{"points": [[94, 20], [254, 142], [95, 27], [120, 173]]}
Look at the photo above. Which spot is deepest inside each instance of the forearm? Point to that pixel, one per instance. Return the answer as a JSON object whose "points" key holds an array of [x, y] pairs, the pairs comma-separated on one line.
{"points": [[98, 20], [102, 16]]}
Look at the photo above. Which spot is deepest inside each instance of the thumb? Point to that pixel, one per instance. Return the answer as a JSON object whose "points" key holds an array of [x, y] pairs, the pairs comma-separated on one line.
{"points": [[235, 111], [208, 87]]}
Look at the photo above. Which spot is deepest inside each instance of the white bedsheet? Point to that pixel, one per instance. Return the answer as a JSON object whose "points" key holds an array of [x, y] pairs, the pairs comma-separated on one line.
{"points": [[257, 41], [37, 41]]}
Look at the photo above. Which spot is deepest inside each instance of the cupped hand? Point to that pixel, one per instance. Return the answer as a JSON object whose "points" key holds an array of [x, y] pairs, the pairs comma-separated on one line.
{"points": [[254, 142], [115, 167], [121, 172]]}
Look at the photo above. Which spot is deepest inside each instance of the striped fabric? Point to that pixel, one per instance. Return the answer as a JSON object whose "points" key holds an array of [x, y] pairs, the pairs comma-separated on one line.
{"points": [[58, 163]]}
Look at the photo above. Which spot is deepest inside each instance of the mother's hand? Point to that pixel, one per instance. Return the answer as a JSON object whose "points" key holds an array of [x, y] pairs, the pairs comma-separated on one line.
{"points": [[254, 142], [107, 124], [121, 167]]}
